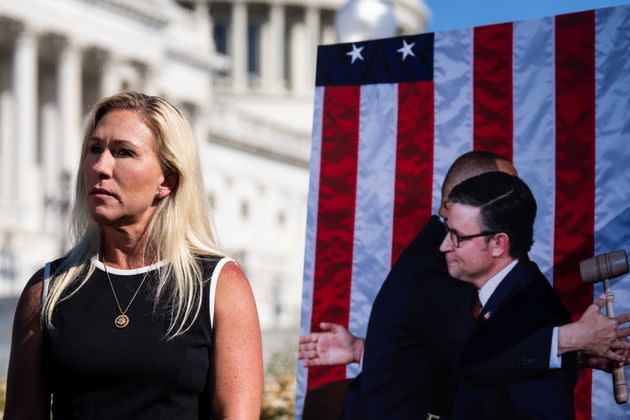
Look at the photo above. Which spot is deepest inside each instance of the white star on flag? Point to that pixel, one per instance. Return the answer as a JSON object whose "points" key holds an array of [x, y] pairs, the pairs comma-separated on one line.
{"points": [[406, 50], [355, 53]]}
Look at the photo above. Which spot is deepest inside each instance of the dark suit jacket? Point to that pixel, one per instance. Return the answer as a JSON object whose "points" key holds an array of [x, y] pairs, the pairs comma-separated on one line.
{"points": [[523, 303], [419, 319], [419, 322]]}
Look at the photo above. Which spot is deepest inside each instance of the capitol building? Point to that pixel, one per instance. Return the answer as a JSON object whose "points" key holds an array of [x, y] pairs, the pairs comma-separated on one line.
{"points": [[242, 71]]}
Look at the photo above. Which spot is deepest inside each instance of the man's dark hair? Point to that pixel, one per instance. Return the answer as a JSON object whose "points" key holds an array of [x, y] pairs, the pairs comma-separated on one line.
{"points": [[470, 164], [506, 205]]}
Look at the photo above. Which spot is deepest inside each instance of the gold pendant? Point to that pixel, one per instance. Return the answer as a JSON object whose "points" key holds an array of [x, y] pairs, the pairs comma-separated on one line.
{"points": [[121, 321]]}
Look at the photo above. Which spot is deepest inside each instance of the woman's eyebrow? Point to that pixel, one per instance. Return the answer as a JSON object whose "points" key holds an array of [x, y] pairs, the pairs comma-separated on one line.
{"points": [[122, 142]]}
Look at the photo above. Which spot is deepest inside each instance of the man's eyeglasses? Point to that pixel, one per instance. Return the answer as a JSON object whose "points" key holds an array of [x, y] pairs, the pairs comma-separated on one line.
{"points": [[458, 239]]}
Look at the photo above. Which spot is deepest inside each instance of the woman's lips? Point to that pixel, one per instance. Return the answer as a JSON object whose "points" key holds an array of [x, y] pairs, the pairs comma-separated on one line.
{"points": [[101, 193]]}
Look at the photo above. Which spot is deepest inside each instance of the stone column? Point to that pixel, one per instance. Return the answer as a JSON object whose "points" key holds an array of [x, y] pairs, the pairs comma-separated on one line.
{"points": [[110, 82], [238, 46], [313, 25], [69, 84], [51, 138], [69, 88], [25, 96], [7, 169], [329, 36], [298, 57], [277, 24], [148, 77], [203, 20]]}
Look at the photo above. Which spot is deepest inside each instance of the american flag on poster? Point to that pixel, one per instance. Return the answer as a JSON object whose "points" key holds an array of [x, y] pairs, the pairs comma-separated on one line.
{"points": [[391, 115]]}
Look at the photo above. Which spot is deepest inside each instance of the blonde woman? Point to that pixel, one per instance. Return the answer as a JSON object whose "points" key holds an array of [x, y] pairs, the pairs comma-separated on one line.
{"points": [[144, 318]]}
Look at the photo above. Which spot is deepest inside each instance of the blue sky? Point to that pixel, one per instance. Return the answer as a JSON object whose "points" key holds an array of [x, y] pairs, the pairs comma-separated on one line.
{"points": [[452, 14]]}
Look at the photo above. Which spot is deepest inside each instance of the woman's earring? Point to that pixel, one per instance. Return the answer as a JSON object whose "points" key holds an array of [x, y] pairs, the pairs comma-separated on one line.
{"points": [[158, 196]]}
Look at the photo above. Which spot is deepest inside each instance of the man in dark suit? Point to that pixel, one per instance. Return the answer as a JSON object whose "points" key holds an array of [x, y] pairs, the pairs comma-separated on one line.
{"points": [[411, 339], [421, 319], [489, 233]]}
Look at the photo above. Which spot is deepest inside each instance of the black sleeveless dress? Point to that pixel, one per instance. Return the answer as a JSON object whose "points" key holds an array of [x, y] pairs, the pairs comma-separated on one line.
{"points": [[98, 371]]}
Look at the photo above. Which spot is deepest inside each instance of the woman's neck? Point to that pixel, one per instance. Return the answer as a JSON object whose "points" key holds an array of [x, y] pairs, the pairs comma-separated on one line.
{"points": [[124, 248]]}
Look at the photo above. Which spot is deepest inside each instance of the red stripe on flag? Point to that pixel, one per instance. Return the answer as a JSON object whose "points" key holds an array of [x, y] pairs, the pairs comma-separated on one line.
{"points": [[335, 217], [492, 89], [575, 171], [414, 163]]}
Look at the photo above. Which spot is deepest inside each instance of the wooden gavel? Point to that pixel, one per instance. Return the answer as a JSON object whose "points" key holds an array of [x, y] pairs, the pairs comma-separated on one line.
{"points": [[602, 268]]}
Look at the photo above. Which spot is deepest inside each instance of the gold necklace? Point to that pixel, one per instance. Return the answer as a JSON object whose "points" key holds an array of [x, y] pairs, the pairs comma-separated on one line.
{"points": [[122, 320]]}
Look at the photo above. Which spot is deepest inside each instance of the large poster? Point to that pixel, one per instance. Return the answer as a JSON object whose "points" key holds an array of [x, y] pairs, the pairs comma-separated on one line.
{"points": [[391, 115]]}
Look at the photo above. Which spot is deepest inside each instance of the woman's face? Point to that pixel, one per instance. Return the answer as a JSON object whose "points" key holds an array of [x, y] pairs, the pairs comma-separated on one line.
{"points": [[121, 171]]}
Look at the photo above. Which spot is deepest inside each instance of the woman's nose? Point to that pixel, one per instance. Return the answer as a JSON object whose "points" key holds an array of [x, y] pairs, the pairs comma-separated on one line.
{"points": [[102, 165]]}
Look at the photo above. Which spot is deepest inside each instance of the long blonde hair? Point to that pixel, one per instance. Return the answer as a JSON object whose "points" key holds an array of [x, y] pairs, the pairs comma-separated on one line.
{"points": [[180, 232]]}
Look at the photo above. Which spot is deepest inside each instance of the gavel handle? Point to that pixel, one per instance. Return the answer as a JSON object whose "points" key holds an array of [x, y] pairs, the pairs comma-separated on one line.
{"points": [[620, 385]]}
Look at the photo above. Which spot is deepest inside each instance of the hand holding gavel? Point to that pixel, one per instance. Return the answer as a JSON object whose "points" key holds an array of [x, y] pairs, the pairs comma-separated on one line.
{"points": [[602, 268]]}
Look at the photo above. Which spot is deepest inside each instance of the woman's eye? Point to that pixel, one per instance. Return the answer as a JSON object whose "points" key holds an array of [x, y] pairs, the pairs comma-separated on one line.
{"points": [[94, 149], [125, 153]]}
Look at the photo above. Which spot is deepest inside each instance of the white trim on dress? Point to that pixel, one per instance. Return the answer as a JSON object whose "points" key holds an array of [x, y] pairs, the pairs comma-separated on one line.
{"points": [[122, 272], [213, 285], [213, 280]]}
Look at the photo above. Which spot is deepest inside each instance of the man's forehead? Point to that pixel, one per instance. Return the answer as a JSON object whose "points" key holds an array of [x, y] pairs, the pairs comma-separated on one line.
{"points": [[461, 215]]}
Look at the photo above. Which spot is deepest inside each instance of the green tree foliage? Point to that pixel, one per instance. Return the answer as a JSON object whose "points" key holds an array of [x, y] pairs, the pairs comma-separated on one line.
{"points": [[279, 391]]}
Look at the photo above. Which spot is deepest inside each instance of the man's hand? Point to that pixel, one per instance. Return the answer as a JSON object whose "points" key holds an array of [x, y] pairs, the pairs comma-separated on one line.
{"points": [[334, 346], [603, 363], [596, 334], [623, 333]]}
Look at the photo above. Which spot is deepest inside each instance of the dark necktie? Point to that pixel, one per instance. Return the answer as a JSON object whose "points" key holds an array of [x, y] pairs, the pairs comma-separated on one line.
{"points": [[476, 307]]}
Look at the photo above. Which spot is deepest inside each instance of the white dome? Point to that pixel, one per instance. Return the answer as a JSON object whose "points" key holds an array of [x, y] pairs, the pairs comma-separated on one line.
{"points": [[359, 20]]}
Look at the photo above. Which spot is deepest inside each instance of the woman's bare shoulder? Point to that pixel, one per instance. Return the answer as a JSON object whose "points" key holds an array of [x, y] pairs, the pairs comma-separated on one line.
{"points": [[232, 272], [30, 302], [234, 293]]}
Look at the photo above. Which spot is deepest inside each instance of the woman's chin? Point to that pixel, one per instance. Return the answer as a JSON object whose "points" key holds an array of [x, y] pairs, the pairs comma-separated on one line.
{"points": [[102, 217]]}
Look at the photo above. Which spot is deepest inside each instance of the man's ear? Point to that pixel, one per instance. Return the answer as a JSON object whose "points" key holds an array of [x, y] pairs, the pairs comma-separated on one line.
{"points": [[168, 185], [443, 211], [501, 244]]}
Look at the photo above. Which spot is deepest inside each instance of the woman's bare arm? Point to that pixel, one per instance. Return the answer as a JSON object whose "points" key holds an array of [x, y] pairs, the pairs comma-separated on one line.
{"points": [[27, 396], [237, 360]]}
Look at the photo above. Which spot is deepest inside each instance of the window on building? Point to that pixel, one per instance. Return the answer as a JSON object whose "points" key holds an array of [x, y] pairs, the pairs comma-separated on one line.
{"points": [[90, 80], [253, 50], [281, 218], [220, 34], [220, 13], [276, 297], [244, 210], [287, 52], [189, 110], [211, 201], [7, 259], [47, 112]]}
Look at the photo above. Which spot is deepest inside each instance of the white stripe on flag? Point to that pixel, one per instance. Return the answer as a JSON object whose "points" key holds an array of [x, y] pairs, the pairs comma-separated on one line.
{"points": [[311, 237], [612, 172], [374, 211], [453, 98], [534, 127]]}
